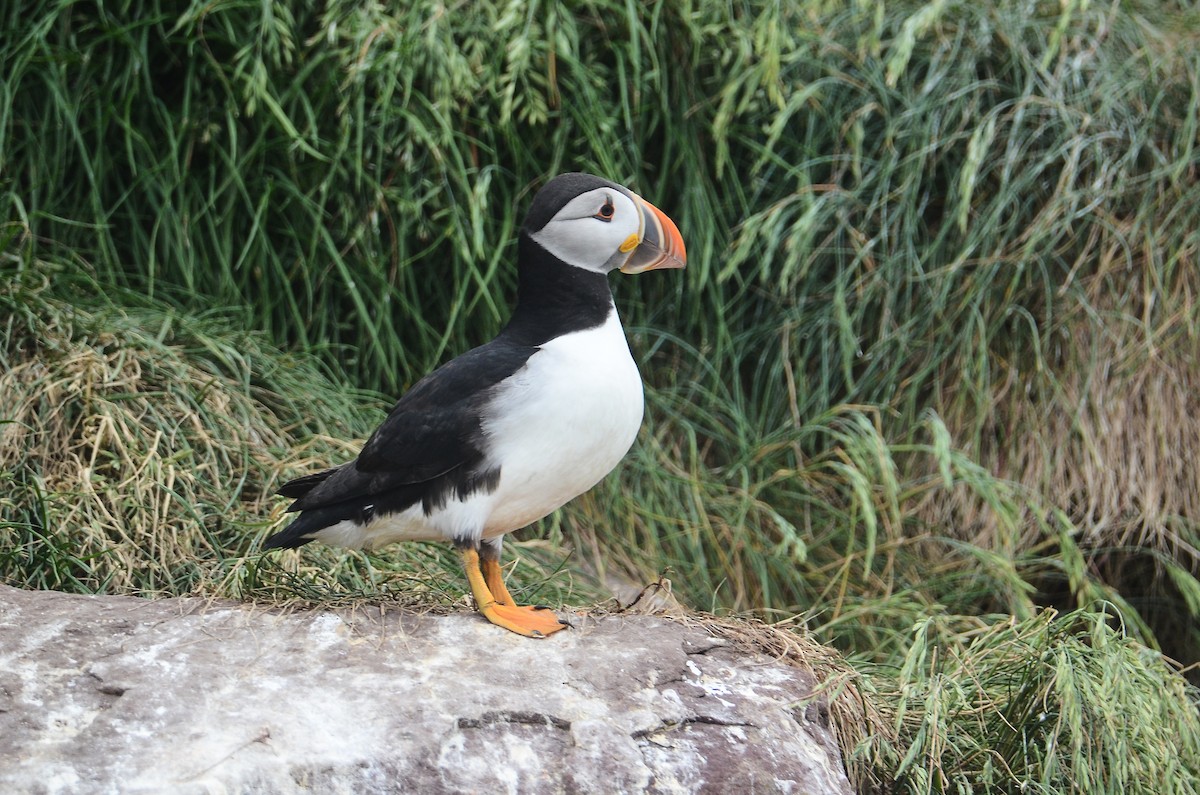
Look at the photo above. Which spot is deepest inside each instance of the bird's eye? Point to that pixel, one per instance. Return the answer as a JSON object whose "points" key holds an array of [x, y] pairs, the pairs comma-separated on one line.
{"points": [[606, 211]]}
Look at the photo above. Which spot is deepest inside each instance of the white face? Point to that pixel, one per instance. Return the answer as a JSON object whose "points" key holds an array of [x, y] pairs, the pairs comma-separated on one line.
{"points": [[596, 230]]}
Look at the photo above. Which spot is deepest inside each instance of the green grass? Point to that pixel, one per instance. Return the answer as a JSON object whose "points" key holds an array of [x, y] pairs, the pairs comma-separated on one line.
{"points": [[1051, 704], [932, 363]]}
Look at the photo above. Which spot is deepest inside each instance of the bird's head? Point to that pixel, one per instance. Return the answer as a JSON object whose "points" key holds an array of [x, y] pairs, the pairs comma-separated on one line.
{"points": [[600, 226]]}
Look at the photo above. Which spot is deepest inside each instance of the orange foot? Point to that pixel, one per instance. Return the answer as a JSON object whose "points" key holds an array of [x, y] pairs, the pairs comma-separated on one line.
{"points": [[493, 600], [532, 622]]}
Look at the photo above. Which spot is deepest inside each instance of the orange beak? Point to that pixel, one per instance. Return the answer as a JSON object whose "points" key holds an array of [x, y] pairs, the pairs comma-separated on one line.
{"points": [[660, 245]]}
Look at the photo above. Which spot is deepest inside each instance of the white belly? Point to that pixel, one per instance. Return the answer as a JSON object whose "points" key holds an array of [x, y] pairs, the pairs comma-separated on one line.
{"points": [[558, 427], [562, 424]]}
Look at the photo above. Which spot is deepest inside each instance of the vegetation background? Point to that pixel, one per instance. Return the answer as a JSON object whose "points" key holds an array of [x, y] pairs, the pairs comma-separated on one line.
{"points": [[928, 391]]}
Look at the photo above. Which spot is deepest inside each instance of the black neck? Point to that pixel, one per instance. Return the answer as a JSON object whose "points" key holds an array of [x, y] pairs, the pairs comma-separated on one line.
{"points": [[554, 298]]}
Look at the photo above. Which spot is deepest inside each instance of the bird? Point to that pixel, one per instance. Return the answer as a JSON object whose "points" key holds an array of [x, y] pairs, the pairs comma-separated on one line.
{"points": [[510, 431]]}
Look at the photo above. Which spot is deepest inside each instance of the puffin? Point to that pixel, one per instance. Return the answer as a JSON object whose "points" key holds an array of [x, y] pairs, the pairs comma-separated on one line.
{"points": [[508, 432]]}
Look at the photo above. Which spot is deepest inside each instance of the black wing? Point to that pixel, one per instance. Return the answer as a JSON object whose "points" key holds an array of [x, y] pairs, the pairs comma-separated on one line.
{"points": [[432, 436]]}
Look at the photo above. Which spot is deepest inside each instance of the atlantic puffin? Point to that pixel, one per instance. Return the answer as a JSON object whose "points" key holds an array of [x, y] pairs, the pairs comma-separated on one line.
{"points": [[510, 431]]}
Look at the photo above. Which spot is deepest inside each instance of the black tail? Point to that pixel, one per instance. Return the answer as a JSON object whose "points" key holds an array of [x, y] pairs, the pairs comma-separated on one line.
{"points": [[313, 519], [303, 485], [299, 532], [294, 534]]}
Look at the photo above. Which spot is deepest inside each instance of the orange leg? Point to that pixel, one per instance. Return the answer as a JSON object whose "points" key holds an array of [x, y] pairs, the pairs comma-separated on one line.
{"points": [[493, 576], [493, 600]]}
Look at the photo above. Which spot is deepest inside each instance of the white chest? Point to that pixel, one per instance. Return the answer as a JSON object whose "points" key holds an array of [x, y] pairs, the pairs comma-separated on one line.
{"points": [[562, 424]]}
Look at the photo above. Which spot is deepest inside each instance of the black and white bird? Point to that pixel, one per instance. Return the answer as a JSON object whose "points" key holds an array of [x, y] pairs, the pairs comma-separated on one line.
{"points": [[512, 430]]}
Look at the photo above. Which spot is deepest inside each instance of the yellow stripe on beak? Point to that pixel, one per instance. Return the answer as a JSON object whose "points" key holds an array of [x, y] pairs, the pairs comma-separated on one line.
{"points": [[660, 246]]}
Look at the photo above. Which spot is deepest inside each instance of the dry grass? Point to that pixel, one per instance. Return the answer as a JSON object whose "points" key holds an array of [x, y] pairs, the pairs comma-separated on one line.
{"points": [[135, 435], [140, 449], [1102, 433]]}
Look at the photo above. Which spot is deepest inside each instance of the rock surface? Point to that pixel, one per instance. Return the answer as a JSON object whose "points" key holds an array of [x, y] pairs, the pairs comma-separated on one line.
{"points": [[124, 695]]}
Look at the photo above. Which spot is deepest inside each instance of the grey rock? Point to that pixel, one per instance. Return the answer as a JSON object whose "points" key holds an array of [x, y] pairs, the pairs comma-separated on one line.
{"points": [[126, 695]]}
